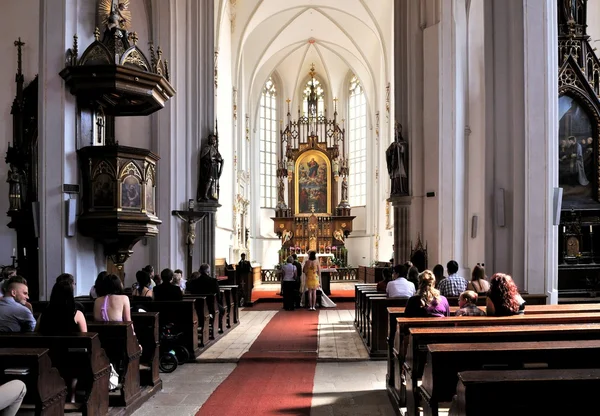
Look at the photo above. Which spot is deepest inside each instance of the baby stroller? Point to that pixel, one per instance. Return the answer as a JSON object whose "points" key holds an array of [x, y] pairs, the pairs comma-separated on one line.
{"points": [[172, 353]]}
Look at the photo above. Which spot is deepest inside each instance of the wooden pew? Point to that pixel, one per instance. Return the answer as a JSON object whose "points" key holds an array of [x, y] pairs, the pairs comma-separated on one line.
{"points": [[445, 361], [398, 340], [396, 312], [123, 350], [146, 326], [421, 338], [79, 355], [526, 392], [46, 389], [361, 306], [236, 301], [204, 318], [377, 324], [365, 311], [226, 301], [358, 288], [182, 313]]}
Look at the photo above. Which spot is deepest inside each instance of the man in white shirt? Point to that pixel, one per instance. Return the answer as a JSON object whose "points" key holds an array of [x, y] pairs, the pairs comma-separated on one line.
{"points": [[400, 287]]}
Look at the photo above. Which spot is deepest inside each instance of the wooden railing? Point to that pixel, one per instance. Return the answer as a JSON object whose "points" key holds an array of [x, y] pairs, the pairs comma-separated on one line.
{"points": [[342, 274]]}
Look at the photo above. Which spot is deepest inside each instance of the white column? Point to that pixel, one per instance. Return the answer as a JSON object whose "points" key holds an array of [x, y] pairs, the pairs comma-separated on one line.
{"points": [[57, 150], [521, 160], [184, 29]]}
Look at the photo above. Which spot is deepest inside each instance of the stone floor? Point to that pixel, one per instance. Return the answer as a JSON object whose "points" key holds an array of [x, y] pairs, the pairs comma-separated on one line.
{"points": [[346, 382]]}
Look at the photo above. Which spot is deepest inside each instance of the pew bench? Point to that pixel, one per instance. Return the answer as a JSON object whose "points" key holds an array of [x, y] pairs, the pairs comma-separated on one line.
{"points": [[146, 326], [46, 390], [445, 361], [398, 345], [235, 307], [81, 356], [123, 350], [421, 338], [526, 392]]}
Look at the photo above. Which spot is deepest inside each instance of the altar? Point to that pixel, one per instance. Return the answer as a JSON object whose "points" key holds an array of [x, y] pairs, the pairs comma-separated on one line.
{"points": [[314, 214]]}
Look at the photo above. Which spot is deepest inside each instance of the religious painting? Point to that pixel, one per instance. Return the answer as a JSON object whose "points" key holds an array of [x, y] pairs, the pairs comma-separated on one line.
{"points": [[313, 183], [130, 193], [577, 143], [103, 191]]}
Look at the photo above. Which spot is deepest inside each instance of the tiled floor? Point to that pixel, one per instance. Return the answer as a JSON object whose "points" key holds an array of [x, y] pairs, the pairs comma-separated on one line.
{"points": [[234, 344], [346, 382]]}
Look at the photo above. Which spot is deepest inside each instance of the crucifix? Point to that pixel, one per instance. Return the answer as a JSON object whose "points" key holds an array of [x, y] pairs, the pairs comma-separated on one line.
{"points": [[190, 217]]}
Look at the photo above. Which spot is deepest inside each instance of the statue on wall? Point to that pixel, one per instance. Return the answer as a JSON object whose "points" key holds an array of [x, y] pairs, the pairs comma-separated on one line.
{"points": [[396, 157], [569, 9], [211, 167], [15, 179]]}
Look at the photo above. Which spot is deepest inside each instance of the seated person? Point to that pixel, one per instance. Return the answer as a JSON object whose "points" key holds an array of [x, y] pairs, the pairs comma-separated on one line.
{"points": [[7, 273], [150, 270], [111, 304], [438, 272], [478, 283], [178, 276], [14, 314], [400, 287], [93, 292], [142, 287], [503, 298], [467, 301], [70, 280], [205, 284], [11, 397], [427, 302], [387, 278], [166, 290], [61, 317]]}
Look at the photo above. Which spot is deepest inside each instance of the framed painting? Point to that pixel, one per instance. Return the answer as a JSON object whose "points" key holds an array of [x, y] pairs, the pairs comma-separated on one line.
{"points": [[313, 183], [576, 150]]}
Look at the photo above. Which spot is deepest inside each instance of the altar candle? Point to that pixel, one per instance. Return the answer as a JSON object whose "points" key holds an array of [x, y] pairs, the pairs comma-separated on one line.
{"points": [[563, 228], [590, 228], [14, 252], [24, 252]]}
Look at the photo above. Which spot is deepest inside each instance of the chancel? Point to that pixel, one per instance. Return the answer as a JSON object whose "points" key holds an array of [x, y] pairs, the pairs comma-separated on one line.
{"points": [[248, 152]]}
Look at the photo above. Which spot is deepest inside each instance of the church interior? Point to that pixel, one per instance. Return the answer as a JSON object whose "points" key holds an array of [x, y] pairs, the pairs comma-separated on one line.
{"points": [[178, 133]]}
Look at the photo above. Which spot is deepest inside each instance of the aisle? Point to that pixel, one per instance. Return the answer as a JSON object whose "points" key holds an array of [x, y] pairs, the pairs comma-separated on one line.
{"points": [[276, 375]]}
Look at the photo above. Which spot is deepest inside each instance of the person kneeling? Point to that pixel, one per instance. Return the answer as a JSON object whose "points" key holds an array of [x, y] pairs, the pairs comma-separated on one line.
{"points": [[467, 302]]}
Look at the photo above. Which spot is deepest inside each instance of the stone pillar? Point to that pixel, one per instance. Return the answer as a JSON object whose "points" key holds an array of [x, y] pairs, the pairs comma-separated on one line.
{"points": [[206, 233], [402, 248], [522, 155]]}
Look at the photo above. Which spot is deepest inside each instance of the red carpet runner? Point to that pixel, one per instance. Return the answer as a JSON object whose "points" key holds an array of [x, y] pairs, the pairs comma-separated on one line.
{"points": [[275, 377]]}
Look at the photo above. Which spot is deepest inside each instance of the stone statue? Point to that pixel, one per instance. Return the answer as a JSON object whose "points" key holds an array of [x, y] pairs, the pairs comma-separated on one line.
{"points": [[569, 8], [396, 157], [14, 180], [211, 167]]}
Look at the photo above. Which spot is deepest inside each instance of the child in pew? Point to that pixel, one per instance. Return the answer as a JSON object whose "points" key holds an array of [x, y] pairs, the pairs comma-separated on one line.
{"points": [[467, 302]]}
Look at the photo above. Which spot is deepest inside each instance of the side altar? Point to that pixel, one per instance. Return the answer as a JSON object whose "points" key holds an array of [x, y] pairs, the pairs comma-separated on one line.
{"points": [[313, 158]]}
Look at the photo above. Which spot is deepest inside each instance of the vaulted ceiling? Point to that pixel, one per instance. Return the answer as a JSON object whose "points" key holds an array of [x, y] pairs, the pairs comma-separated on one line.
{"points": [[286, 36]]}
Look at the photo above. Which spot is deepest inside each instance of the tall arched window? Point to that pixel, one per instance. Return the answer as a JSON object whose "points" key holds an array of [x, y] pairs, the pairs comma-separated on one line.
{"points": [[357, 138], [267, 128], [320, 93]]}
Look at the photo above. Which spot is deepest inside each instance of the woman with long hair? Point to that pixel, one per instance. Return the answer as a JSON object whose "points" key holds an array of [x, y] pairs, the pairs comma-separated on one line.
{"points": [[427, 301], [312, 270], [503, 298], [478, 284], [61, 317], [142, 286]]}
